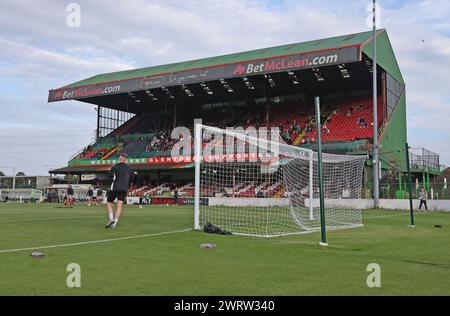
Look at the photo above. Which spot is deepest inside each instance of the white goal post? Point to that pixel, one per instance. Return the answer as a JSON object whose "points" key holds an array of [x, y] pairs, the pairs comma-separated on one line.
{"points": [[250, 185]]}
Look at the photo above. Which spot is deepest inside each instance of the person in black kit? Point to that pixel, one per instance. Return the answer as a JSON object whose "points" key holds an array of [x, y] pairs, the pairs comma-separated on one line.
{"points": [[99, 199], [176, 195], [90, 196], [122, 176], [70, 200]]}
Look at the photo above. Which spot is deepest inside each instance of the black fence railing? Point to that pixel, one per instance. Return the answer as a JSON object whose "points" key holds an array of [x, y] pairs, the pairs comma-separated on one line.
{"points": [[421, 158], [436, 191]]}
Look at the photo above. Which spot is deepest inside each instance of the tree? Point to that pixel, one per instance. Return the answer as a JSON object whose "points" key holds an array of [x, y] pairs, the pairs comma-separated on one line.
{"points": [[2, 174], [70, 178], [20, 174]]}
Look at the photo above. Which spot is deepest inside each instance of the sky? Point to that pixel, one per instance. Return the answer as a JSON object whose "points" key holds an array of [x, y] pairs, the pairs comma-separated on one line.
{"points": [[39, 51]]}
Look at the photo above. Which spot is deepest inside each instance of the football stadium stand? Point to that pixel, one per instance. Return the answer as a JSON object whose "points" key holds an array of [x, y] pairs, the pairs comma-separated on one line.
{"points": [[270, 87], [344, 121]]}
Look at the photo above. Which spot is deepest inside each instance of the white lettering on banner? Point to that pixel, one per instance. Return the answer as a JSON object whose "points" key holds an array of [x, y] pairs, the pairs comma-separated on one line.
{"points": [[251, 68]]}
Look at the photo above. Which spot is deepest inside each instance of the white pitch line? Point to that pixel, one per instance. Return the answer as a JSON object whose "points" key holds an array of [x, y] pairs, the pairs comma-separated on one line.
{"points": [[63, 218], [47, 219], [96, 241], [385, 216]]}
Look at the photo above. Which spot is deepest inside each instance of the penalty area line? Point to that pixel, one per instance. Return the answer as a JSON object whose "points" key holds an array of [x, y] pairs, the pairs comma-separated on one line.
{"points": [[96, 241], [50, 219], [384, 216], [396, 215]]}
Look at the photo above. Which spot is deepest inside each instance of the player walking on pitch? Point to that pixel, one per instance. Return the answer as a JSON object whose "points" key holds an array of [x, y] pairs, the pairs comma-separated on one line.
{"points": [[70, 196], [90, 194], [99, 198], [122, 176]]}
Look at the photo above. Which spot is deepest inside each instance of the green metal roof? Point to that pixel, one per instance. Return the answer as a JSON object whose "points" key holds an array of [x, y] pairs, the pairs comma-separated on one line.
{"points": [[296, 48]]}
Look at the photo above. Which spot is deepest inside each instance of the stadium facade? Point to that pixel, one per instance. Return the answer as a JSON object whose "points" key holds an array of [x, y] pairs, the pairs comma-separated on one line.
{"points": [[275, 86]]}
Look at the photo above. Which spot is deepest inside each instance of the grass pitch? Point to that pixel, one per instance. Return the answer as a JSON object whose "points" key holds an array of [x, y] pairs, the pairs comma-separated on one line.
{"points": [[136, 259]]}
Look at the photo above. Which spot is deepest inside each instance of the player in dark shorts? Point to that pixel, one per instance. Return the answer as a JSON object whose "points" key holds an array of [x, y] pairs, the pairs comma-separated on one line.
{"points": [[70, 199], [122, 176], [99, 199], [90, 196], [176, 195]]}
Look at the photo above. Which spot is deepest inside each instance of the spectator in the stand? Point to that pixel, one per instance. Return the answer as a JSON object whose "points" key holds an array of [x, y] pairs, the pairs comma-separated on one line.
{"points": [[362, 122], [423, 199]]}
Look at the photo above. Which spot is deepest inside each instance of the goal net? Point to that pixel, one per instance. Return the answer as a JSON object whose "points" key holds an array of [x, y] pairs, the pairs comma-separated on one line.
{"points": [[252, 183]]}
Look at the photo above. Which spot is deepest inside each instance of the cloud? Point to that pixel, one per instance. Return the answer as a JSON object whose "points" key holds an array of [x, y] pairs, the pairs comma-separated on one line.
{"points": [[422, 47], [28, 61]]}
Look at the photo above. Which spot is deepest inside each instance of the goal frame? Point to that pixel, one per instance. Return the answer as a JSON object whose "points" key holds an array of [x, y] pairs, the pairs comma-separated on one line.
{"points": [[198, 128]]}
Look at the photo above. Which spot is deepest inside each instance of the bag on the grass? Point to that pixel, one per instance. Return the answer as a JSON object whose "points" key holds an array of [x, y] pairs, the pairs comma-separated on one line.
{"points": [[211, 229]]}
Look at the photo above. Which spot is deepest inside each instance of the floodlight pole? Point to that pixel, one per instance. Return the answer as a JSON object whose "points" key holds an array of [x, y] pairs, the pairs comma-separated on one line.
{"points": [[197, 157], [408, 168], [376, 163], [320, 174]]}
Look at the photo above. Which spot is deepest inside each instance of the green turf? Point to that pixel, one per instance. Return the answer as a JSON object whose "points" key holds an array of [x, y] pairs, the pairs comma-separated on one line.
{"points": [[413, 260]]}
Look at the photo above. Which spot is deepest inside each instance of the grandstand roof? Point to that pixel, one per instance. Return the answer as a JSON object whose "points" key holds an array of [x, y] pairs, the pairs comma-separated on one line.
{"points": [[345, 49], [296, 48]]}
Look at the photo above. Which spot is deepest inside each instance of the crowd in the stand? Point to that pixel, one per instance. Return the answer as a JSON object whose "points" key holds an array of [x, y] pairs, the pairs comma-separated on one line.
{"points": [[341, 122], [345, 121], [161, 142]]}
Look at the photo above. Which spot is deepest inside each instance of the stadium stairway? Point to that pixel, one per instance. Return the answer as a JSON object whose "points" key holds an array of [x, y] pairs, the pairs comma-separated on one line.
{"points": [[112, 151], [133, 149], [124, 128], [299, 138]]}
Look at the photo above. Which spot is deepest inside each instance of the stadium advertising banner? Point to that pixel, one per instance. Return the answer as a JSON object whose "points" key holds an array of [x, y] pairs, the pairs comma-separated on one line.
{"points": [[167, 160], [88, 177], [245, 68], [218, 157], [165, 201]]}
